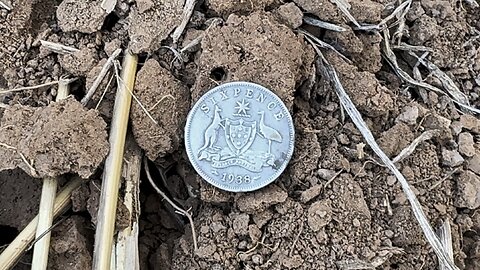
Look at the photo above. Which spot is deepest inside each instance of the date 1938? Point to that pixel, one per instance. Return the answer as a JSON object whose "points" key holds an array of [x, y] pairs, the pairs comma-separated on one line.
{"points": [[237, 179]]}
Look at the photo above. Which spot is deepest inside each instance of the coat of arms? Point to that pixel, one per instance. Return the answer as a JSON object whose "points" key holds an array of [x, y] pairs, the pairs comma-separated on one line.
{"points": [[239, 135]]}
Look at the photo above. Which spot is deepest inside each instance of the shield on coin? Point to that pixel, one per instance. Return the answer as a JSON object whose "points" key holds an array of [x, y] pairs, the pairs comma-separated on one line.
{"points": [[240, 135]]}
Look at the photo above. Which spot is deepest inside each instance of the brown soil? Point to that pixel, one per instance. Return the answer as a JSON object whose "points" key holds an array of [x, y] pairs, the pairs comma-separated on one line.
{"points": [[61, 138], [333, 208]]}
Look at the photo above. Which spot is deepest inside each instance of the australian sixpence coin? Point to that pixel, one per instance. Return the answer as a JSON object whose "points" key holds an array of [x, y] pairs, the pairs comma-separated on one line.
{"points": [[239, 136]]}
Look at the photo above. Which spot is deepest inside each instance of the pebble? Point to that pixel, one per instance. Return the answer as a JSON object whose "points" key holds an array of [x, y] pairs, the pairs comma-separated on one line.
{"points": [[389, 233], [319, 215], [474, 164], [456, 127], [310, 193], [466, 145], [290, 15], [326, 174], [451, 158], [257, 259], [436, 121], [391, 180], [468, 193], [408, 116], [470, 122], [356, 222]]}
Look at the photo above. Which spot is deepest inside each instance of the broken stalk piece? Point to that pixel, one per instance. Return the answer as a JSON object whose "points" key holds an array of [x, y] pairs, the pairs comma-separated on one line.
{"points": [[5, 5], [113, 167], [17, 247], [47, 203]]}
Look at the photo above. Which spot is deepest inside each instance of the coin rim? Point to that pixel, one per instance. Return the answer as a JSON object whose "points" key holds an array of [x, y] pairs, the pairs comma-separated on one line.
{"points": [[191, 155]]}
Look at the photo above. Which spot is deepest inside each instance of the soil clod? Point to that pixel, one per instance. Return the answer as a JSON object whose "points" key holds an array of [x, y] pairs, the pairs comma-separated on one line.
{"points": [[61, 138]]}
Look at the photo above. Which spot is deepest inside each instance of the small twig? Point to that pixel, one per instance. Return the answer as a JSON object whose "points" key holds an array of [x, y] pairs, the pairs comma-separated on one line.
{"points": [[2, 91], [472, 3], [38, 238], [324, 25], [187, 13], [407, 151], [177, 54], [58, 48], [445, 235], [407, 47], [258, 243], [100, 76], [177, 208], [443, 179], [362, 169], [161, 99], [104, 92], [5, 5], [333, 178], [8, 146], [324, 45], [120, 82], [33, 172], [447, 82], [192, 44], [296, 238], [397, 35]]}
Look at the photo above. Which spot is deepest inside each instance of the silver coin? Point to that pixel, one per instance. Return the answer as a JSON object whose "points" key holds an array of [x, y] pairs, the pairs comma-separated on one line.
{"points": [[239, 136]]}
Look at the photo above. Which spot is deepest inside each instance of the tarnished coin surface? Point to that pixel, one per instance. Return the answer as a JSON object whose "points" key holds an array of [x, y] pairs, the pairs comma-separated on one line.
{"points": [[239, 136]]}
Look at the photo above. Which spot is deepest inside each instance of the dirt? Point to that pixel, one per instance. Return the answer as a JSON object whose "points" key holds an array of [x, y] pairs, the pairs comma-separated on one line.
{"points": [[151, 22], [82, 16], [333, 208], [270, 55], [167, 102], [50, 141]]}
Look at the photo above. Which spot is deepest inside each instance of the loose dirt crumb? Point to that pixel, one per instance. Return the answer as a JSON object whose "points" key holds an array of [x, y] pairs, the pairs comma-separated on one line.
{"points": [[395, 139], [261, 199], [424, 29], [79, 15], [408, 232], [319, 214], [227, 7], [290, 15], [474, 163], [366, 11], [156, 86], [148, 27], [70, 245], [370, 58], [324, 9], [347, 42], [468, 193], [408, 116], [253, 48], [61, 138], [310, 193], [466, 144], [79, 63], [451, 158]]}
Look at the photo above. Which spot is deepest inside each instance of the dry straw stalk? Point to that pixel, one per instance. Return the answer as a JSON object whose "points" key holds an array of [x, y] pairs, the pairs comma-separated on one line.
{"points": [[113, 167], [15, 250]]}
